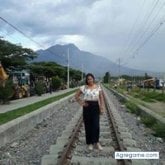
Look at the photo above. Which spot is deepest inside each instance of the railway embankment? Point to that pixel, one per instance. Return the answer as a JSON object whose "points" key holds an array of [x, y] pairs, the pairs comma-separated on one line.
{"points": [[140, 105], [14, 129]]}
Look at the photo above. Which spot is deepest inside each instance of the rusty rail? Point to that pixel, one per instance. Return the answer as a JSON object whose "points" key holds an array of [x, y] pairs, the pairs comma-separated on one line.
{"points": [[65, 154]]}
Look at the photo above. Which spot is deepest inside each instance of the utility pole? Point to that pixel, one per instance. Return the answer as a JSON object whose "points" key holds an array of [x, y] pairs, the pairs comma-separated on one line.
{"points": [[82, 72], [119, 68], [68, 69], [163, 84]]}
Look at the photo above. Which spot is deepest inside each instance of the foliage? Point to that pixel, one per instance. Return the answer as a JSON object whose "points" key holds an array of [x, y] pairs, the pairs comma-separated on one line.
{"points": [[52, 69], [149, 96], [106, 78], [159, 130], [56, 82], [132, 107], [149, 121], [14, 55], [39, 88], [6, 92], [161, 97], [75, 74]]}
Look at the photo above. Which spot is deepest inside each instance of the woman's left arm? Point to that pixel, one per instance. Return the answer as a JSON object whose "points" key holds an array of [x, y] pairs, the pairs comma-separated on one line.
{"points": [[102, 104]]}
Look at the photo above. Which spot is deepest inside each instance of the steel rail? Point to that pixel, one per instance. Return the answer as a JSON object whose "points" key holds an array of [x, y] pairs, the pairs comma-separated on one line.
{"points": [[65, 154], [117, 134]]}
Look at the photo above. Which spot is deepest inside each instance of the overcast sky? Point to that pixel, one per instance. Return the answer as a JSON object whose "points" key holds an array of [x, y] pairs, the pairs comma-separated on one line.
{"points": [[130, 30]]}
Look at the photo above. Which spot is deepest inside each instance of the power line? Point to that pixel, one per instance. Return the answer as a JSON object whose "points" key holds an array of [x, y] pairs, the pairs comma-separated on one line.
{"points": [[149, 37], [14, 27], [130, 35], [146, 40], [130, 39], [25, 35], [155, 29], [147, 27], [143, 24]]}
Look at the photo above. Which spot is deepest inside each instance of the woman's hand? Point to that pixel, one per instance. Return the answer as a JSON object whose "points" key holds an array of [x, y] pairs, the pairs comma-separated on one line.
{"points": [[102, 111], [84, 104]]}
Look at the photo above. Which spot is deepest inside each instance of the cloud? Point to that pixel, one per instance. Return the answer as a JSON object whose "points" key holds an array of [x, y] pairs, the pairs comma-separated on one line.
{"points": [[105, 27]]}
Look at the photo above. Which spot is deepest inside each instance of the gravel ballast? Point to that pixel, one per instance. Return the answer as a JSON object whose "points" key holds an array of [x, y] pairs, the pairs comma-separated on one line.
{"points": [[141, 134], [30, 148]]}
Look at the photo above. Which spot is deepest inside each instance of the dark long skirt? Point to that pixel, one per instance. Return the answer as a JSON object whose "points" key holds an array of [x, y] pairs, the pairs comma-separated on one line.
{"points": [[91, 122]]}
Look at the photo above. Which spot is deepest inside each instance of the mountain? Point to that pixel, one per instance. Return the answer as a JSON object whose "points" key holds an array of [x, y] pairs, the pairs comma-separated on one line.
{"points": [[79, 59]]}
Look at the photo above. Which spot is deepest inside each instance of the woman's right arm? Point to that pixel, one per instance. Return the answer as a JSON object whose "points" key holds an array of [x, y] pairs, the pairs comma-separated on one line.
{"points": [[77, 97]]}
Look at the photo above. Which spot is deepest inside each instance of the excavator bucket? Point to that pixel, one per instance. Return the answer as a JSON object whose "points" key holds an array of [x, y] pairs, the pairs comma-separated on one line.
{"points": [[3, 75]]}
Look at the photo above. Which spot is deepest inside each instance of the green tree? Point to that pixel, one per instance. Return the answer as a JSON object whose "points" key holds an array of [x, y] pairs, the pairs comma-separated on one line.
{"points": [[106, 77], [56, 82], [48, 69], [14, 55], [52, 69]]}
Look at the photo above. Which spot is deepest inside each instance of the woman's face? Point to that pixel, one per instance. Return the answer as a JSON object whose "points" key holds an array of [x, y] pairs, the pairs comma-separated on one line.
{"points": [[90, 80]]}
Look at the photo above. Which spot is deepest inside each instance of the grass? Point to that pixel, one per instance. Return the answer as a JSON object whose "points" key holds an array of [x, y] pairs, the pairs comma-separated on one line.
{"points": [[148, 96], [142, 94], [149, 121], [8, 116], [132, 107], [159, 130]]}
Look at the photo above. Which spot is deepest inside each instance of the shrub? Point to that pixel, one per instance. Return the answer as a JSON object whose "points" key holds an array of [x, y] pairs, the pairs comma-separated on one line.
{"points": [[161, 97], [39, 88], [149, 121], [73, 84], [6, 92], [159, 130], [56, 82], [132, 107]]}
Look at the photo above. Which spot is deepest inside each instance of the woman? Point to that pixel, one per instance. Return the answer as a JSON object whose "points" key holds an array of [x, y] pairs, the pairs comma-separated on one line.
{"points": [[92, 103]]}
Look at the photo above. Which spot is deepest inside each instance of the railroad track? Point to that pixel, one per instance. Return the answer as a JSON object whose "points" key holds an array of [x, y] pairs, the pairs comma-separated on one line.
{"points": [[70, 148]]}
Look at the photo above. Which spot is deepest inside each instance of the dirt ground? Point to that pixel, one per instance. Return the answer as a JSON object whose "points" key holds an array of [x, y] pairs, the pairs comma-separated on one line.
{"points": [[157, 107]]}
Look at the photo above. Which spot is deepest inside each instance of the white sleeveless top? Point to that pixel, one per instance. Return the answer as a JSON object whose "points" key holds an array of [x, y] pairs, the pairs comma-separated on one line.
{"points": [[90, 94]]}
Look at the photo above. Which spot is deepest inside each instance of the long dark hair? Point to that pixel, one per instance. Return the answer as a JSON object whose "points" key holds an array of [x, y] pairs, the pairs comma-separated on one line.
{"points": [[86, 77]]}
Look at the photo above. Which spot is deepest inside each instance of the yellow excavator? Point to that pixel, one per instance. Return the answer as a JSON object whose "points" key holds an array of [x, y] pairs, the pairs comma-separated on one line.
{"points": [[21, 85], [21, 81]]}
